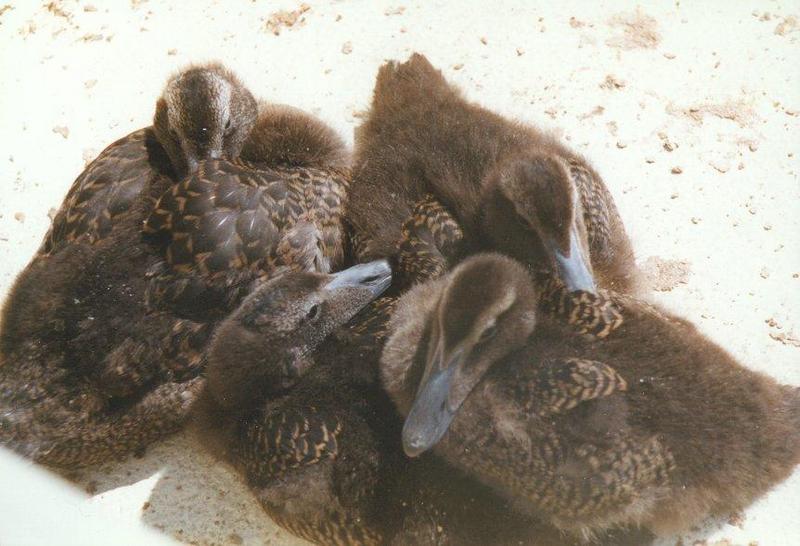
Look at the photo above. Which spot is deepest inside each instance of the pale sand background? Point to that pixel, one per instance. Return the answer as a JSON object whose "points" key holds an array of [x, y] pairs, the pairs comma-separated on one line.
{"points": [[715, 82]]}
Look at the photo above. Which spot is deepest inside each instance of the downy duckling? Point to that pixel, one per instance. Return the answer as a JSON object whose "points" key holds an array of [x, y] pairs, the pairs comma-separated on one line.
{"points": [[652, 425], [510, 186], [299, 448], [86, 355], [87, 373]]}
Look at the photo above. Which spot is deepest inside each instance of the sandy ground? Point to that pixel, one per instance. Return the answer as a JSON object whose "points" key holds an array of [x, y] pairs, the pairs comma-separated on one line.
{"points": [[691, 112]]}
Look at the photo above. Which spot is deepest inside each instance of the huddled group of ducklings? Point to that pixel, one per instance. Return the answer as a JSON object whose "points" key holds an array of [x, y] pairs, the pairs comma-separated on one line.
{"points": [[439, 339]]}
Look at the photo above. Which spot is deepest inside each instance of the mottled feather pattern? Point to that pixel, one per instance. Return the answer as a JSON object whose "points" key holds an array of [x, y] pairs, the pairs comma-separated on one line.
{"points": [[270, 443], [231, 223], [594, 315], [330, 529], [107, 188], [564, 384], [55, 419], [427, 240], [573, 478]]}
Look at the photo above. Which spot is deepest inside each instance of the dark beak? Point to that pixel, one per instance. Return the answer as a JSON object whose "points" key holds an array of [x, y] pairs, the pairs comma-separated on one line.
{"points": [[574, 268], [434, 408], [373, 276]]}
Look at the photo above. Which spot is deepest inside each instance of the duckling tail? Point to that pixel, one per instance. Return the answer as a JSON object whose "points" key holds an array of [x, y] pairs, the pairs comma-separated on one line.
{"points": [[400, 84]]}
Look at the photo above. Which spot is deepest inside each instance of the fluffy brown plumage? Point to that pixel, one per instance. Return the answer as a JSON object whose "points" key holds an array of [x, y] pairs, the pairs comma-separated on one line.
{"points": [[652, 425], [93, 369], [87, 373], [511, 187], [301, 449]]}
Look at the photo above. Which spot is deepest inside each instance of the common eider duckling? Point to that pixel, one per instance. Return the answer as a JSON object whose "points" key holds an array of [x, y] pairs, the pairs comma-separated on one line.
{"points": [[93, 368], [299, 448], [512, 188], [652, 425]]}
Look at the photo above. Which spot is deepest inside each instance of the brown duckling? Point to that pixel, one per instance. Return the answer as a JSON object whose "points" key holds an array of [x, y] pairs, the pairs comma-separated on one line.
{"points": [[81, 343], [87, 373], [510, 186], [298, 448], [652, 425], [204, 112]]}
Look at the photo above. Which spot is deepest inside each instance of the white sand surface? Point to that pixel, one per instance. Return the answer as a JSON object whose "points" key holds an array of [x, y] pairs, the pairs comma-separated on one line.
{"points": [[689, 110]]}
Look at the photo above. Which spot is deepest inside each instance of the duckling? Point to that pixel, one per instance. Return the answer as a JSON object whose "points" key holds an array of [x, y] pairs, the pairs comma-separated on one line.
{"points": [[652, 425], [203, 112], [296, 447], [511, 187], [81, 342]]}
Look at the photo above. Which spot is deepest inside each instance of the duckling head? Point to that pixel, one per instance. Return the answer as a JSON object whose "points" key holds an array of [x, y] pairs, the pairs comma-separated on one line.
{"points": [[486, 310], [204, 112], [534, 212], [264, 345]]}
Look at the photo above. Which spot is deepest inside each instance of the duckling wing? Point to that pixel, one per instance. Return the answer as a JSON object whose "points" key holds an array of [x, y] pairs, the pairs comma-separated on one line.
{"points": [[609, 245], [428, 240], [563, 384], [221, 228], [106, 189], [596, 486], [314, 466], [272, 443], [593, 315]]}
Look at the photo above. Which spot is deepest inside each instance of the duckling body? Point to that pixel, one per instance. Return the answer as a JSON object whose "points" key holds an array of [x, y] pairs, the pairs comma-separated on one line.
{"points": [[88, 374], [235, 222], [652, 425], [511, 187], [92, 368]]}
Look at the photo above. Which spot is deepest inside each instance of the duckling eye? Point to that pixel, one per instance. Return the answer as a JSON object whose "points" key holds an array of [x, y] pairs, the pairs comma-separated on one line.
{"points": [[488, 334], [313, 313], [228, 125]]}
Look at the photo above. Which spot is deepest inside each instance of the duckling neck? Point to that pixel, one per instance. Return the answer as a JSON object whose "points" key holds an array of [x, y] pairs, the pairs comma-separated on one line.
{"points": [[238, 381]]}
